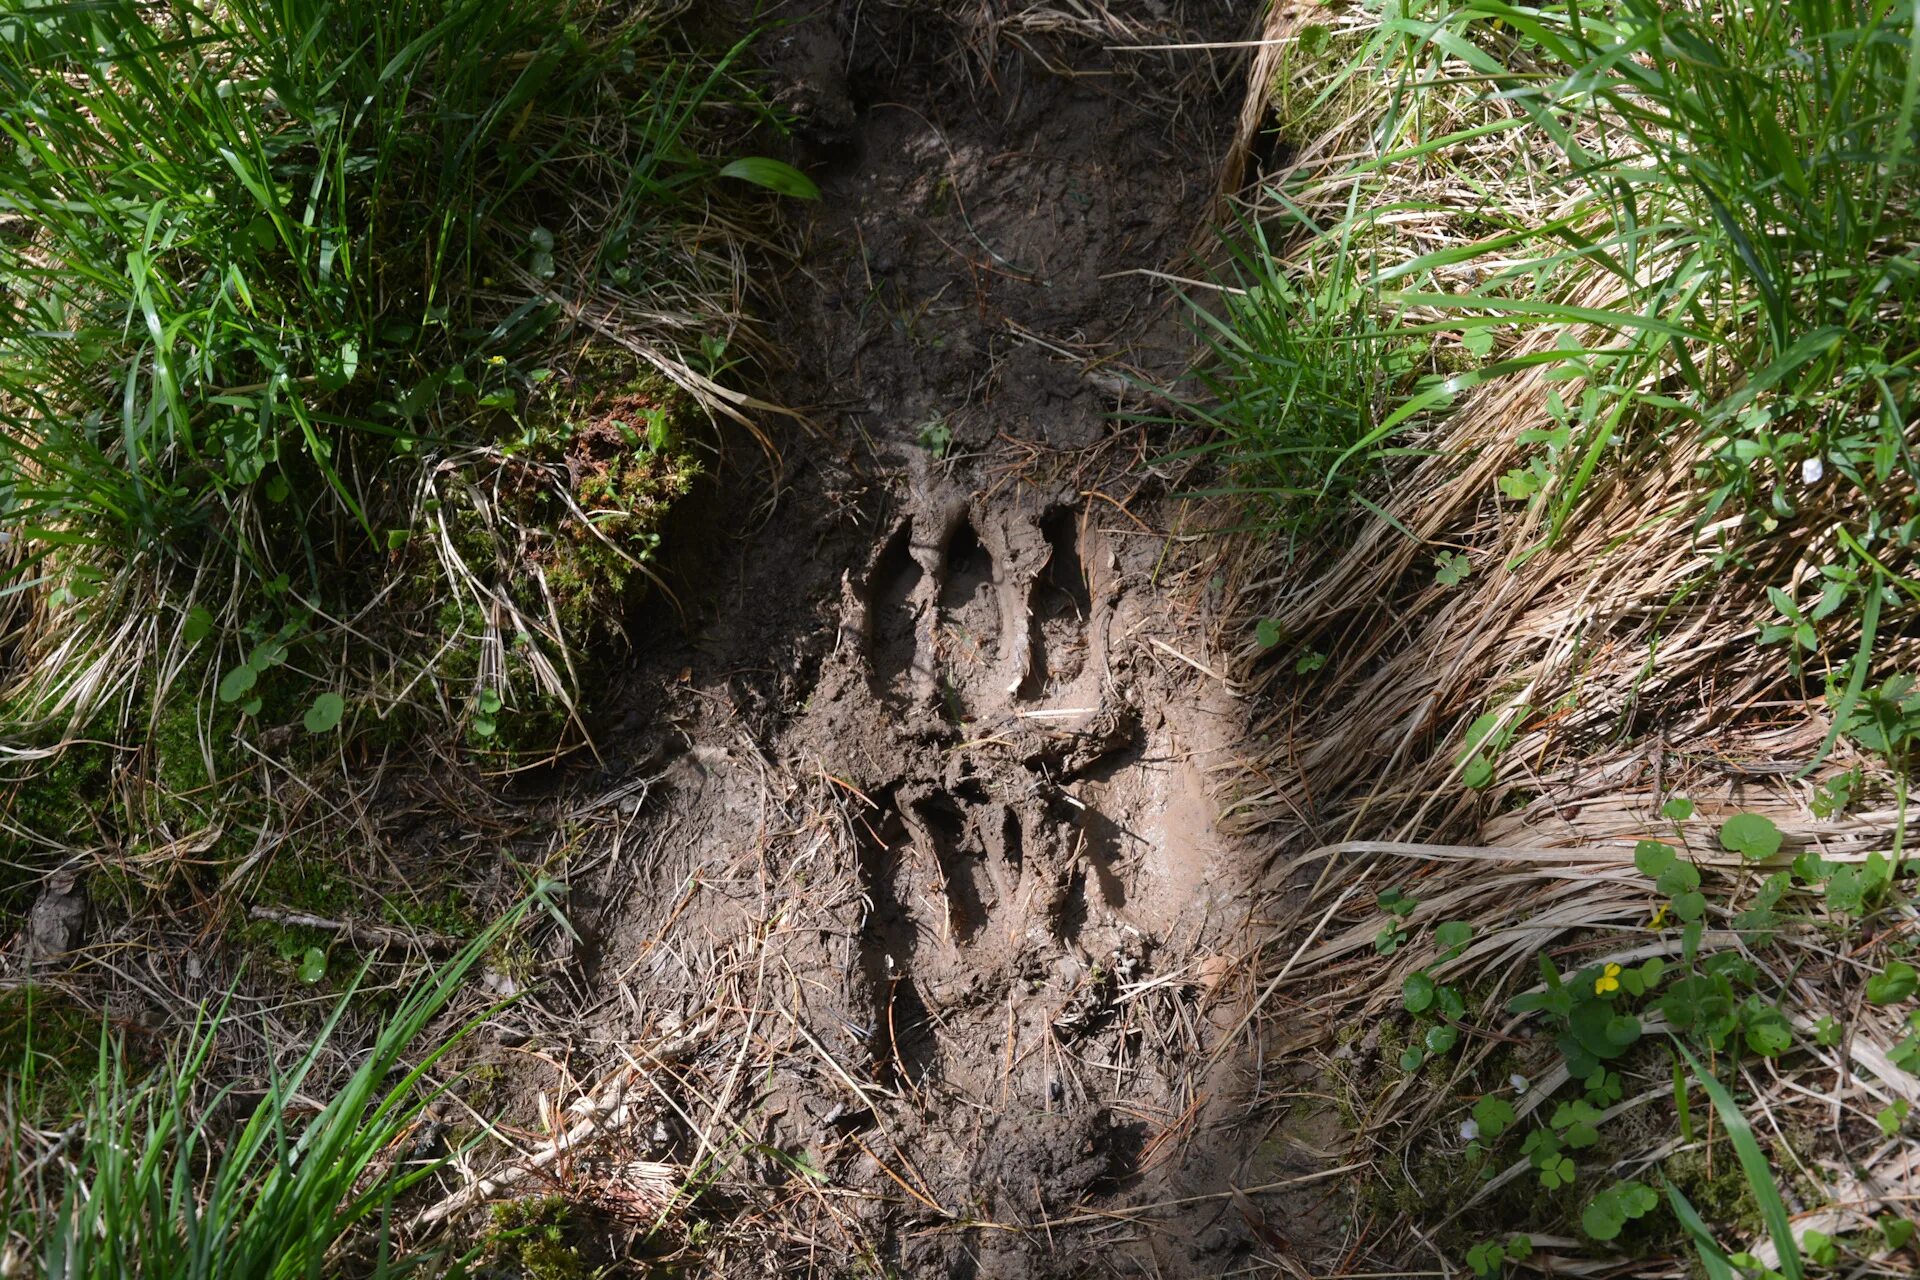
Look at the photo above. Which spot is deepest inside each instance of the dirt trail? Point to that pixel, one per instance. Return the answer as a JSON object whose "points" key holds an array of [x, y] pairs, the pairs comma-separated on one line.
{"points": [[926, 894]]}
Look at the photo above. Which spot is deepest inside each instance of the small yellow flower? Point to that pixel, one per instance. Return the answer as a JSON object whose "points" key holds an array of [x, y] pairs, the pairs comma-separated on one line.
{"points": [[1659, 916], [1609, 980]]}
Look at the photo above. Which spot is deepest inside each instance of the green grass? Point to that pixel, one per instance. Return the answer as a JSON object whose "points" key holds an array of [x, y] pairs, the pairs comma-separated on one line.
{"points": [[1298, 377], [265, 266], [1668, 255], [150, 1182], [1742, 181], [306, 459], [1750, 197], [298, 433], [1759, 1176]]}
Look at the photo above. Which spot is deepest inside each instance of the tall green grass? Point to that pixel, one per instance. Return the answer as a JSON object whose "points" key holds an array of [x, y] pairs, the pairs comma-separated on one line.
{"points": [[150, 1182], [1743, 176], [1752, 196], [264, 263], [1301, 376], [240, 221]]}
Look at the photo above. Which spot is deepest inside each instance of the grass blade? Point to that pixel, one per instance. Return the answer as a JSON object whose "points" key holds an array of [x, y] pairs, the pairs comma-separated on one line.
{"points": [[1753, 1163]]}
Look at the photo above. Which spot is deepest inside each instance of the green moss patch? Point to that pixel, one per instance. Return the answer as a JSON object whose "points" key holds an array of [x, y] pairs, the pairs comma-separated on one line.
{"points": [[530, 1239]]}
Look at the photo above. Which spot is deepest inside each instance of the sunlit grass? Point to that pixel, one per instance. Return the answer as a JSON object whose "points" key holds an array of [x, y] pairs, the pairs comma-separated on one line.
{"points": [[150, 1181]]}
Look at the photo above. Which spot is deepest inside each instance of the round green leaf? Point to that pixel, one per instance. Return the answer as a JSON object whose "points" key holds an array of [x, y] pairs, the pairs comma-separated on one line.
{"points": [[1846, 893], [1591, 1026], [1442, 1038], [1623, 1030], [1266, 633], [1893, 984], [1769, 1035], [237, 683], [1750, 835], [1417, 992], [1411, 1060], [324, 715], [198, 626], [313, 966], [1681, 877], [1652, 857], [1602, 1218]]}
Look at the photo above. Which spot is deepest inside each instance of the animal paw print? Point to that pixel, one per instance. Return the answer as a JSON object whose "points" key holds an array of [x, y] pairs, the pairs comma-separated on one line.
{"points": [[968, 894], [978, 613], [983, 628]]}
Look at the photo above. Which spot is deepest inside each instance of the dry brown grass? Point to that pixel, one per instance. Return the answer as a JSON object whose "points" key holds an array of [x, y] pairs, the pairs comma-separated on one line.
{"points": [[1624, 656]]}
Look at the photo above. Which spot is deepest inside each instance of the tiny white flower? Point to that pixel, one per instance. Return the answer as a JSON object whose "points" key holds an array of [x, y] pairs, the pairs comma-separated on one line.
{"points": [[1518, 1081], [1812, 471], [1469, 1130]]}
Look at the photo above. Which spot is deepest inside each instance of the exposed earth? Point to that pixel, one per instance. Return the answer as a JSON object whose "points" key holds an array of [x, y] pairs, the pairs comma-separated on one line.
{"points": [[926, 872]]}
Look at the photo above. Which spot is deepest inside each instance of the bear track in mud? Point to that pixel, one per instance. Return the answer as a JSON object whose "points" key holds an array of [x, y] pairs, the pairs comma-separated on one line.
{"points": [[976, 626], [1033, 850], [928, 891]]}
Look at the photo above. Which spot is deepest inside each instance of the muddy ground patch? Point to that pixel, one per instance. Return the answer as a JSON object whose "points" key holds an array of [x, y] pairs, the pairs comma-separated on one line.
{"points": [[926, 888]]}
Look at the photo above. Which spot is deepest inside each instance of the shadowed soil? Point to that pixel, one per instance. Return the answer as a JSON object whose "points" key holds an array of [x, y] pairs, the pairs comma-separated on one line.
{"points": [[929, 867]]}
